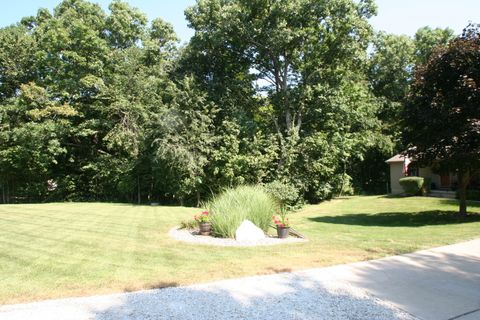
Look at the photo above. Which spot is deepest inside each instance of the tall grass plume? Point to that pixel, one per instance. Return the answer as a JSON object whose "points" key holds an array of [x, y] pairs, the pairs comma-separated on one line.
{"points": [[229, 209]]}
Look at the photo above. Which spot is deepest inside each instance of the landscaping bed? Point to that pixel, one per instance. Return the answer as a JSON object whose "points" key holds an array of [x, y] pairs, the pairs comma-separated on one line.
{"points": [[75, 249], [193, 237]]}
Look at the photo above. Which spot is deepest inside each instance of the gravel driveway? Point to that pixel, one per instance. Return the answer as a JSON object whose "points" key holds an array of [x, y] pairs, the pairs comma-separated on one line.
{"points": [[435, 284], [310, 294]]}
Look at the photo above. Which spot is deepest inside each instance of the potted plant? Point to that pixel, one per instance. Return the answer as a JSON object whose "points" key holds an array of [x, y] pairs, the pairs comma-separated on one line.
{"points": [[283, 226], [204, 224]]}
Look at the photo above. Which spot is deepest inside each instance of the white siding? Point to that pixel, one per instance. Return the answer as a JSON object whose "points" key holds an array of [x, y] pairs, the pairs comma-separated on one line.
{"points": [[396, 172]]}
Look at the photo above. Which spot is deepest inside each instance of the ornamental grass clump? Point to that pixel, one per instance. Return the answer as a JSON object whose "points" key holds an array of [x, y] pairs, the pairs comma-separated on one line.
{"points": [[229, 209]]}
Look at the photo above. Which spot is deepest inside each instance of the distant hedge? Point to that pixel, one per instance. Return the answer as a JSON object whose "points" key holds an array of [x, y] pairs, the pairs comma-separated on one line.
{"points": [[412, 185]]}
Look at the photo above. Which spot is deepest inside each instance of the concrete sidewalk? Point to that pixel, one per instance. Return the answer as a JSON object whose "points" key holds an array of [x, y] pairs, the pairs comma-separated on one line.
{"points": [[437, 284]]}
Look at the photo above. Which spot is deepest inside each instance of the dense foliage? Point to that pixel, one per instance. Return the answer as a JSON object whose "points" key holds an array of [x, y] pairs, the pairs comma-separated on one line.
{"points": [[285, 194], [99, 105], [390, 72], [442, 117], [81, 93], [412, 185]]}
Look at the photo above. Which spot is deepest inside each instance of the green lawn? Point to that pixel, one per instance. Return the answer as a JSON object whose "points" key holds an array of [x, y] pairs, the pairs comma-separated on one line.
{"points": [[71, 249]]}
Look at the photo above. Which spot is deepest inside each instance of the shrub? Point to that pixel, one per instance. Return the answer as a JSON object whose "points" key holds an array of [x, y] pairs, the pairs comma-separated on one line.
{"points": [[188, 224], [286, 194], [426, 187], [412, 185], [230, 208]]}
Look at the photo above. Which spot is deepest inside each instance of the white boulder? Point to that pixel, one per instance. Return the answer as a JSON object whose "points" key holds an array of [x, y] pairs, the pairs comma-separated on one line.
{"points": [[249, 232]]}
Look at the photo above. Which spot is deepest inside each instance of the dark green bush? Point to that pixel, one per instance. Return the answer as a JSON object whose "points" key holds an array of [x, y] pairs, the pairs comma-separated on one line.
{"points": [[412, 185], [426, 187], [285, 193]]}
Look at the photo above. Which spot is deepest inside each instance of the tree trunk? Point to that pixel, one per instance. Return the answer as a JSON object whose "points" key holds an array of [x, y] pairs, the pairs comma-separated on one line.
{"points": [[463, 180], [8, 192], [343, 179], [138, 190], [198, 199], [150, 192], [281, 144]]}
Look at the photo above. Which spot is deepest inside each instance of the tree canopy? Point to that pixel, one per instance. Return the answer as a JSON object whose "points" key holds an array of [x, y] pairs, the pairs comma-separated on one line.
{"points": [[442, 116], [303, 63], [98, 105]]}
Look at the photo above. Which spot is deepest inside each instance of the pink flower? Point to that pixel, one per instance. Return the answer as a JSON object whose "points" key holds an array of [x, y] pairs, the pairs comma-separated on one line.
{"points": [[205, 212]]}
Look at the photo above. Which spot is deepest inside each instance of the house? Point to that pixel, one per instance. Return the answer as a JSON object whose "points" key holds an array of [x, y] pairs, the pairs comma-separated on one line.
{"points": [[401, 166]]}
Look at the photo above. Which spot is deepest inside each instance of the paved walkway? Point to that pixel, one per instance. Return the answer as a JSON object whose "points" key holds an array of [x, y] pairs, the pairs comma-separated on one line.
{"points": [[437, 284], [434, 284]]}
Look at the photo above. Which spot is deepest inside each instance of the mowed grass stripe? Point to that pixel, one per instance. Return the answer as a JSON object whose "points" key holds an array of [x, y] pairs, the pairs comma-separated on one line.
{"points": [[98, 225], [58, 250]]}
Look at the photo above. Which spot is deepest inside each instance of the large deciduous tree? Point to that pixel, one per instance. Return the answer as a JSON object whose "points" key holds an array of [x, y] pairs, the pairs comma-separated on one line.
{"points": [[442, 117], [391, 66], [427, 40], [302, 63], [99, 105], [79, 90]]}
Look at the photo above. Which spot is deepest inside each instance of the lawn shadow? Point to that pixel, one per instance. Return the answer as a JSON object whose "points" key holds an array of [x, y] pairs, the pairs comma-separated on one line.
{"points": [[399, 219], [393, 196], [470, 203]]}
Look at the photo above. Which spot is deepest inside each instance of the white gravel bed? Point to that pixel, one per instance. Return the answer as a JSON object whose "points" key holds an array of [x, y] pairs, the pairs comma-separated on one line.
{"points": [[192, 237], [301, 295]]}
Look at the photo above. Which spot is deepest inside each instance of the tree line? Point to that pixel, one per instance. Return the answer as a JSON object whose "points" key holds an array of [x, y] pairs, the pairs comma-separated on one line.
{"points": [[108, 106]]}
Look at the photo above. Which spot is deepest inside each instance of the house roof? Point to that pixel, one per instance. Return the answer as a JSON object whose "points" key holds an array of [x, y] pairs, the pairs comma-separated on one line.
{"points": [[396, 158]]}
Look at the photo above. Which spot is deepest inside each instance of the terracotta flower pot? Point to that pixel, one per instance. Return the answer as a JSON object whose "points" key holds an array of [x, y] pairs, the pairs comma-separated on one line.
{"points": [[282, 232], [205, 228]]}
